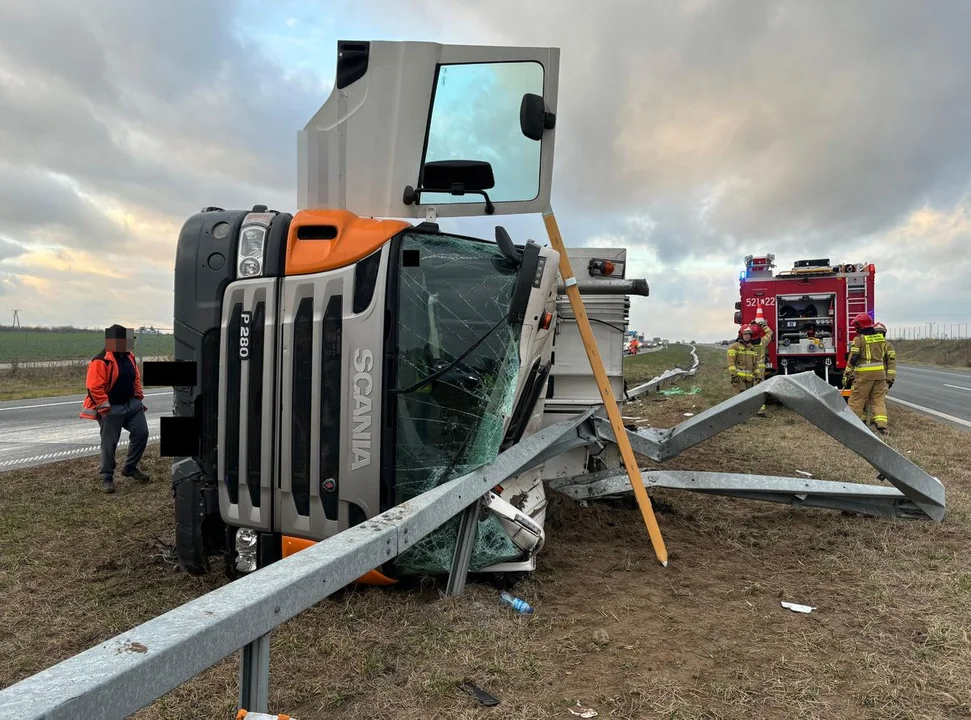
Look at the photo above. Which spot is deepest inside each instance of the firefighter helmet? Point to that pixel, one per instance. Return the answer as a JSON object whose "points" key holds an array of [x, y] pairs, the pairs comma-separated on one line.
{"points": [[880, 327], [745, 329], [863, 321]]}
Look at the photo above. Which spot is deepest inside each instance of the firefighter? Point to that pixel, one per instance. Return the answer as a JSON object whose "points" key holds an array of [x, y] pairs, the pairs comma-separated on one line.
{"points": [[871, 371], [759, 331], [868, 410], [745, 362], [114, 399]]}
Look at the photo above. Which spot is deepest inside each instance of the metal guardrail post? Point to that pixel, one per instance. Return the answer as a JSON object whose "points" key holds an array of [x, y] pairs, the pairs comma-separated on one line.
{"points": [[254, 675], [462, 557]]}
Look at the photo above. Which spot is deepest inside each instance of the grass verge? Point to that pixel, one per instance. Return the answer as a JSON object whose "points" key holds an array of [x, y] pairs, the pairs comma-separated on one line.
{"points": [[705, 637], [647, 366], [945, 353], [38, 381]]}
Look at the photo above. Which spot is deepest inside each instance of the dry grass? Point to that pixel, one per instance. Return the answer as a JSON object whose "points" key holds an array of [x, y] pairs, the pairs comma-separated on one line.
{"points": [[948, 353], [647, 366], [705, 637], [38, 380], [35, 381]]}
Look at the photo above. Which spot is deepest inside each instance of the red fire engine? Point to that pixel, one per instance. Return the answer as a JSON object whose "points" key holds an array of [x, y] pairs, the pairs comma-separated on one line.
{"points": [[810, 310]]}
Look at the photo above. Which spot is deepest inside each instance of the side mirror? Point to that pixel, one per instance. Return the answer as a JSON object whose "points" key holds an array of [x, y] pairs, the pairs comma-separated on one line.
{"points": [[533, 118]]}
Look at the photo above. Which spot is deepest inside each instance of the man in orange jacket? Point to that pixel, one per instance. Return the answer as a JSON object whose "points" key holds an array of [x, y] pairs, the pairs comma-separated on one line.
{"points": [[114, 399]]}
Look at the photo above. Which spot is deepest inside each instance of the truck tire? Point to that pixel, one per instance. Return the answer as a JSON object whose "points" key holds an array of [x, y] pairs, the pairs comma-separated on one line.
{"points": [[197, 532]]}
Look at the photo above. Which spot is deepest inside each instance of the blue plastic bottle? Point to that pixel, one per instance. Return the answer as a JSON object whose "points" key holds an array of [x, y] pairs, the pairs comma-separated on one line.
{"points": [[520, 606]]}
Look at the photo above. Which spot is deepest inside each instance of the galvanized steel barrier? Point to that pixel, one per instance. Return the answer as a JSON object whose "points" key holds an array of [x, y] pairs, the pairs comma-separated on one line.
{"points": [[133, 669], [665, 378]]}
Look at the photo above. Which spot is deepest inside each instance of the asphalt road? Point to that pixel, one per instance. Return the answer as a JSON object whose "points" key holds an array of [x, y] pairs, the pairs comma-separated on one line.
{"points": [[944, 394], [37, 432]]}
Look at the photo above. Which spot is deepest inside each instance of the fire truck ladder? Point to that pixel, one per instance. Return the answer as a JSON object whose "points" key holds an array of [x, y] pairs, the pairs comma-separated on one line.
{"points": [[856, 301]]}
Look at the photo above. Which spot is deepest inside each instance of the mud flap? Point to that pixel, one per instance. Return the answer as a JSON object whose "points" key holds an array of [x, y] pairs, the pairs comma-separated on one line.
{"points": [[198, 524]]}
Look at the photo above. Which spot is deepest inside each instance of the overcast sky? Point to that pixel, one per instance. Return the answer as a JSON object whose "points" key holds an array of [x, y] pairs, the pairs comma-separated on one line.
{"points": [[692, 133]]}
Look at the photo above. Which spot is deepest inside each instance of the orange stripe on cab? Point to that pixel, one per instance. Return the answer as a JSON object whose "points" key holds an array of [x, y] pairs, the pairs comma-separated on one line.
{"points": [[292, 545], [321, 240]]}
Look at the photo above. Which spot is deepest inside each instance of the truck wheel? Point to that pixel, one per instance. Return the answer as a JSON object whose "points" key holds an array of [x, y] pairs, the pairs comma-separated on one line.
{"points": [[197, 533]]}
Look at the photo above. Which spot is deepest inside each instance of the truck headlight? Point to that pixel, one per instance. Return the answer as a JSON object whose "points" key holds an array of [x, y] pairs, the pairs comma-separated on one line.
{"points": [[252, 243], [245, 550], [245, 540]]}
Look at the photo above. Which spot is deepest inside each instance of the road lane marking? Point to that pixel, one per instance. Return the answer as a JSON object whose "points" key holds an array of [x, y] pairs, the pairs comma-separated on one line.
{"points": [[67, 402], [957, 387], [953, 419], [48, 458]]}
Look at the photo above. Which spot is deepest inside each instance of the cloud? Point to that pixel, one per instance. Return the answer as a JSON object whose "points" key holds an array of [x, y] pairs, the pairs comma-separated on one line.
{"points": [[159, 107], [731, 123], [692, 133]]}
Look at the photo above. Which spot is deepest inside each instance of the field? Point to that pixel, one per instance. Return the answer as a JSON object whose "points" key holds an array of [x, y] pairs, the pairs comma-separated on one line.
{"points": [[38, 363], [34, 345], [705, 637], [948, 353], [648, 365]]}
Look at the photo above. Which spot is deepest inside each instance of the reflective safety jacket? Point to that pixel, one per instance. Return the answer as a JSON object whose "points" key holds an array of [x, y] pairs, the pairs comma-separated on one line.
{"points": [[766, 336], [746, 360], [102, 375], [872, 356]]}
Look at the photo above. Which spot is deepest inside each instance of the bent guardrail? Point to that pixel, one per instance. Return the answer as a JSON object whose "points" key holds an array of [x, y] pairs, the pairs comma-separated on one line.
{"points": [[133, 669], [667, 377]]}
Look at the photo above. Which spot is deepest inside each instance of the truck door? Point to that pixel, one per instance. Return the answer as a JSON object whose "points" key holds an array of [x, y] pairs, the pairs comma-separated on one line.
{"points": [[398, 107]]}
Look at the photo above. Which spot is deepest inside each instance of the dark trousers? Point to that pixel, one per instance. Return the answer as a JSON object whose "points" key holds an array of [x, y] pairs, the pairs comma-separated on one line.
{"points": [[130, 417]]}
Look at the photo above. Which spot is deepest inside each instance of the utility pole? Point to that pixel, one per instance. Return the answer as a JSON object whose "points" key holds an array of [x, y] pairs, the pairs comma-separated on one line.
{"points": [[16, 319]]}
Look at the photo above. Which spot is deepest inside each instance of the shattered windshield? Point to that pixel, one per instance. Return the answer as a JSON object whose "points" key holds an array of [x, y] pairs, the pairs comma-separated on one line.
{"points": [[452, 293]]}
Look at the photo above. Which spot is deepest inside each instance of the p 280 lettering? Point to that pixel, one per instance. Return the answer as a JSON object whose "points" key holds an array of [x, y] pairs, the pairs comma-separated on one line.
{"points": [[244, 331], [754, 302]]}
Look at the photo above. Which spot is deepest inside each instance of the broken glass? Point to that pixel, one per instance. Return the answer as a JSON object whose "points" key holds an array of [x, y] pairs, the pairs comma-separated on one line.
{"points": [[453, 294]]}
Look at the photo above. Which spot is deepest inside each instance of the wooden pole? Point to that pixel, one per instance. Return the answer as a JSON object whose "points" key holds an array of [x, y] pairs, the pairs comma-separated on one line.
{"points": [[606, 393]]}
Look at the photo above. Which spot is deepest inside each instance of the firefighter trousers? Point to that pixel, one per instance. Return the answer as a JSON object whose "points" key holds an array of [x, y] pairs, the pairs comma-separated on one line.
{"points": [[873, 393], [740, 385]]}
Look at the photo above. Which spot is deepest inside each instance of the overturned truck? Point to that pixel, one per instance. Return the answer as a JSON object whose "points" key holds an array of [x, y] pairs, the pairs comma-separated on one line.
{"points": [[349, 360]]}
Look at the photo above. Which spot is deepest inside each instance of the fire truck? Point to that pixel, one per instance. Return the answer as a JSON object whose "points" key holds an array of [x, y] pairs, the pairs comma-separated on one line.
{"points": [[810, 310]]}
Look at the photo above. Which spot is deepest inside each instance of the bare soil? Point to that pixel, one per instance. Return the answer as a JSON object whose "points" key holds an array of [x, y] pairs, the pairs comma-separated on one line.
{"points": [[705, 637]]}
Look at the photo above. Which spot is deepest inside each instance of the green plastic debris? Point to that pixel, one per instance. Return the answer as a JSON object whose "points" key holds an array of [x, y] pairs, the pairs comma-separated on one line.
{"points": [[680, 391]]}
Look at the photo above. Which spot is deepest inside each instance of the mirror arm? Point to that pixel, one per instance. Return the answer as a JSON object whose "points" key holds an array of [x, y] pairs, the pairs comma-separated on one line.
{"points": [[412, 196]]}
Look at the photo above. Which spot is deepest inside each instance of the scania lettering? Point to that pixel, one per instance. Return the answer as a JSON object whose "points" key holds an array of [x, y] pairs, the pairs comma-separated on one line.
{"points": [[363, 383]]}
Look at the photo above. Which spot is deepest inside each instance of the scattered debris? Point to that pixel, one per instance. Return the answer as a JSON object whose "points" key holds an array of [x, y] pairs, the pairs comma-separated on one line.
{"points": [[520, 606], [583, 712], [601, 637], [680, 391], [478, 693], [795, 607], [803, 472], [689, 414]]}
